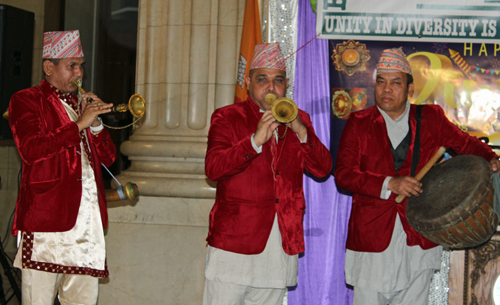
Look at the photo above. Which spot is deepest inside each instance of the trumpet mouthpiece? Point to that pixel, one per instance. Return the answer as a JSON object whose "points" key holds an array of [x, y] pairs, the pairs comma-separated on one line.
{"points": [[270, 98], [78, 83]]}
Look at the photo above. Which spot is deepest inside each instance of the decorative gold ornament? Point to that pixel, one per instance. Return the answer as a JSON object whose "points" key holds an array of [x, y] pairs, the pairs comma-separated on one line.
{"points": [[359, 98], [341, 104], [350, 57]]}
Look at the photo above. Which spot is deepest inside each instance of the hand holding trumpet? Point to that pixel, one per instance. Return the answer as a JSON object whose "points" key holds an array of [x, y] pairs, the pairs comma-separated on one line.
{"points": [[93, 106], [91, 111], [265, 128], [298, 127], [283, 111]]}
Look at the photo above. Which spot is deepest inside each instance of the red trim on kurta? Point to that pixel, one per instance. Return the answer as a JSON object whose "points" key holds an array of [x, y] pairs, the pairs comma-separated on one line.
{"points": [[27, 251]]}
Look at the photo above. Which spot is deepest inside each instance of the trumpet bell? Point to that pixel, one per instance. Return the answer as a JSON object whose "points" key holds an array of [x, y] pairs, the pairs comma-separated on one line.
{"points": [[129, 191], [284, 110], [137, 105]]}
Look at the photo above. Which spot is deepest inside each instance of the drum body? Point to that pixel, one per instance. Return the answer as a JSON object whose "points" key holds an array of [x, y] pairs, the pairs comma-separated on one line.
{"points": [[455, 208]]}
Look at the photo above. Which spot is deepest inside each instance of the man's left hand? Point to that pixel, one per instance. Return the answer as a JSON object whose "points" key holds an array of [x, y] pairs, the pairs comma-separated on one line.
{"points": [[298, 127], [495, 165], [91, 111]]}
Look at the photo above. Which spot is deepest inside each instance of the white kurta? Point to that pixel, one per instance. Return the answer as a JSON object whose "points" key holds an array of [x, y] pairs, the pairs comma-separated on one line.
{"points": [[393, 269], [80, 250], [272, 268]]}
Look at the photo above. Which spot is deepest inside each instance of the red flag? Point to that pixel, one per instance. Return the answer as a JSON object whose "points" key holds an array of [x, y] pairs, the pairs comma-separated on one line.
{"points": [[250, 37]]}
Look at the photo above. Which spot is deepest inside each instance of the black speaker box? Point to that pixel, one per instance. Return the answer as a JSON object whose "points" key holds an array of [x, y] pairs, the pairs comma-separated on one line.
{"points": [[16, 57]]}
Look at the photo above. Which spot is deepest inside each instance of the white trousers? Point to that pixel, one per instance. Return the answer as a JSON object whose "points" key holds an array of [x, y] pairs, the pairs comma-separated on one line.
{"points": [[219, 293], [417, 293], [41, 288]]}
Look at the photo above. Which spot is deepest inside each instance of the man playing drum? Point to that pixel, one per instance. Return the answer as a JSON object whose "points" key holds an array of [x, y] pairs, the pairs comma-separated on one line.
{"points": [[387, 262]]}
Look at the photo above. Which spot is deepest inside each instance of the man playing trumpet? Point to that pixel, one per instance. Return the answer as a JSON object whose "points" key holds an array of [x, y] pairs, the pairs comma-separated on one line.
{"points": [[61, 208], [256, 231]]}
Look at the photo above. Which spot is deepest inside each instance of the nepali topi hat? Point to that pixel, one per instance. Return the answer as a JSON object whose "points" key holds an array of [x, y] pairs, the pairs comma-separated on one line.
{"points": [[62, 44], [268, 55], [393, 60]]}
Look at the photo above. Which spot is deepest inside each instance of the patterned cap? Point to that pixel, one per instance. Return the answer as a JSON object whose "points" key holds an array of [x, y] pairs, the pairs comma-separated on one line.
{"points": [[62, 44], [268, 55], [393, 60]]}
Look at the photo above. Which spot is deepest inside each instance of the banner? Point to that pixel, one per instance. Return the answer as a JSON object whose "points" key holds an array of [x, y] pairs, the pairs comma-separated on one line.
{"points": [[463, 78], [410, 20], [250, 37]]}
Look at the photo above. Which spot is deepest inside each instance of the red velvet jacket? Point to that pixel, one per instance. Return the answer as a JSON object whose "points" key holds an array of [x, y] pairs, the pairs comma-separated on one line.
{"points": [[248, 196], [49, 145], [364, 160]]}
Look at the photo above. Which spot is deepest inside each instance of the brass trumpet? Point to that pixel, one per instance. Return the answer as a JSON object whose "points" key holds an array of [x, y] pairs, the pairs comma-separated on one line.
{"points": [[284, 109], [136, 104]]}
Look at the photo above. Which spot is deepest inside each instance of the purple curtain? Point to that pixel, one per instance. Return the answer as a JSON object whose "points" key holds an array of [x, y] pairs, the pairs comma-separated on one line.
{"points": [[321, 268]]}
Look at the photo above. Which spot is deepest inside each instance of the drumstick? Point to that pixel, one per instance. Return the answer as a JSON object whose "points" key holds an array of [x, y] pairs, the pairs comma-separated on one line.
{"points": [[425, 169]]}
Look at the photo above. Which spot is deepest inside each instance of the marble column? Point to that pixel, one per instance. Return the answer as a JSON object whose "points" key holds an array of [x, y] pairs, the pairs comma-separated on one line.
{"points": [[186, 68], [187, 63]]}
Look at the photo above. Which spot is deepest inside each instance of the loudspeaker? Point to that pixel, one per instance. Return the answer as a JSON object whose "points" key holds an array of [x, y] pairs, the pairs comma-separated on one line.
{"points": [[16, 57]]}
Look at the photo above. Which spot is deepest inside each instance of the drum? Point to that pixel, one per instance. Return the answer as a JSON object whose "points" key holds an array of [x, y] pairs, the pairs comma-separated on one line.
{"points": [[455, 208]]}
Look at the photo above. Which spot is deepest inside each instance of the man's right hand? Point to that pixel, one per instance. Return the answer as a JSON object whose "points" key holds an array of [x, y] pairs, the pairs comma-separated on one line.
{"points": [[407, 186], [265, 128]]}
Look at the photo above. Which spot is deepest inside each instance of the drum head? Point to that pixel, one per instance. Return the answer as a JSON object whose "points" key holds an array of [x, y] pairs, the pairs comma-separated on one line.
{"points": [[451, 191]]}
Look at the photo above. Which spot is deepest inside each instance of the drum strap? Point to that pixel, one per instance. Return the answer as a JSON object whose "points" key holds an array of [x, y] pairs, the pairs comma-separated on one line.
{"points": [[416, 146]]}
